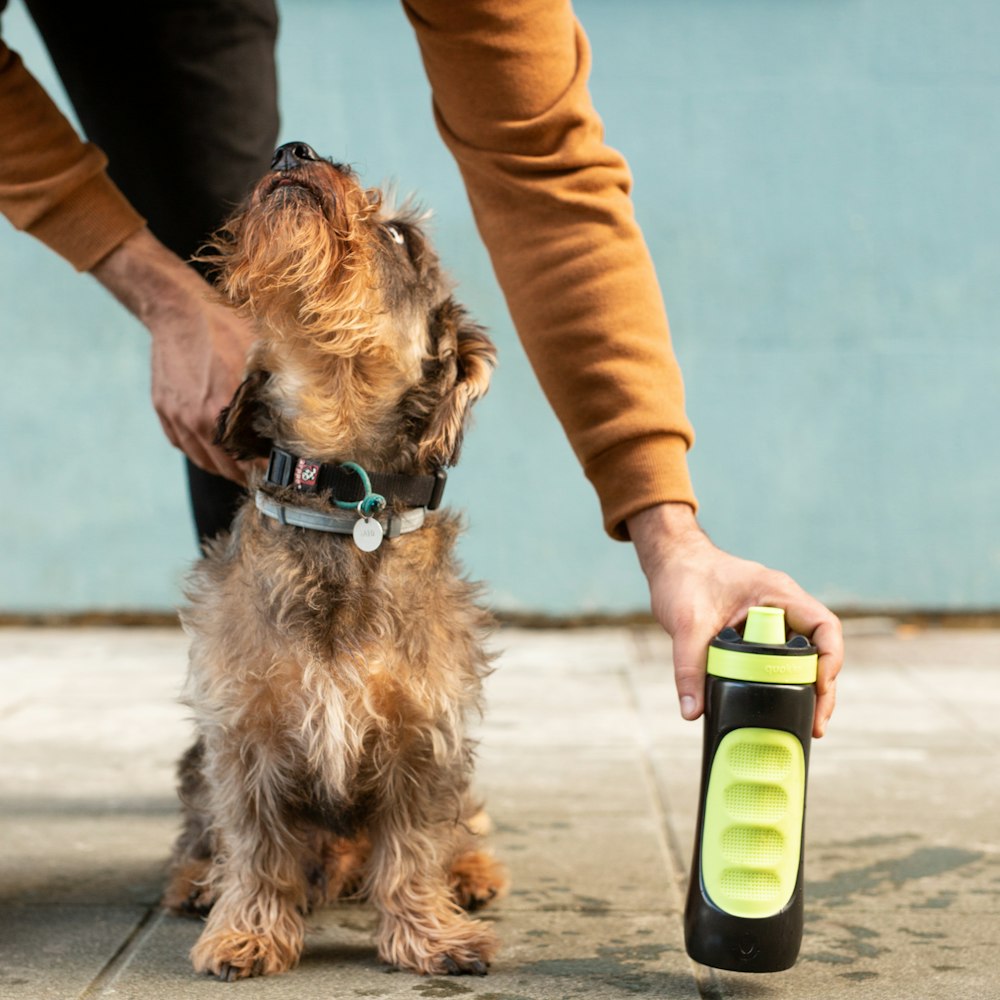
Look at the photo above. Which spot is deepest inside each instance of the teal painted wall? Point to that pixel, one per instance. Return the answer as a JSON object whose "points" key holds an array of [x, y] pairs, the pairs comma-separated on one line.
{"points": [[817, 184]]}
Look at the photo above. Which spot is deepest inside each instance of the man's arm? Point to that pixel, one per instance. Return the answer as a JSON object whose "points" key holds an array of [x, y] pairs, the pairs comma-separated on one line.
{"points": [[552, 203], [54, 186]]}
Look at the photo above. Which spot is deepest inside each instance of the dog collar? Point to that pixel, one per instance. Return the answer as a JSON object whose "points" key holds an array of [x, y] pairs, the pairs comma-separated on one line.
{"points": [[308, 476], [342, 522]]}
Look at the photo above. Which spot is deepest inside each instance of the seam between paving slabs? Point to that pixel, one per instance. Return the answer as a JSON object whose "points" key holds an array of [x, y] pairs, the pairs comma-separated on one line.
{"points": [[115, 965]]}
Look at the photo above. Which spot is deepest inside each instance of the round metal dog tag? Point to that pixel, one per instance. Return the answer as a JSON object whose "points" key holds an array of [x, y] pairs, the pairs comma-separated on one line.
{"points": [[368, 534]]}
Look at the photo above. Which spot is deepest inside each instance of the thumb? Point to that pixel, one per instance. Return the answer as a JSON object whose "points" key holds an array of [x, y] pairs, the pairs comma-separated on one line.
{"points": [[689, 671]]}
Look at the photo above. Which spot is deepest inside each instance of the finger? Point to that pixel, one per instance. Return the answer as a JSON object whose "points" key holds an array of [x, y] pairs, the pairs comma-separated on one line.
{"points": [[180, 435], [826, 700], [690, 651], [821, 626], [193, 447], [228, 467], [168, 430], [826, 633], [218, 461], [207, 457], [222, 463], [830, 662], [184, 442]]}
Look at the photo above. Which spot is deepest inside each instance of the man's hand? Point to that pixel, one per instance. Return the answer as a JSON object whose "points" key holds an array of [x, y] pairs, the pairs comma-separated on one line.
{"points": [[199, 344], [696, 590]]}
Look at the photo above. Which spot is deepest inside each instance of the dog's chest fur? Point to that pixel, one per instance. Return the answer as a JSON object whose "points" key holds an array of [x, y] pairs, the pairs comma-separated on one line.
{"points": [[390, 696]]}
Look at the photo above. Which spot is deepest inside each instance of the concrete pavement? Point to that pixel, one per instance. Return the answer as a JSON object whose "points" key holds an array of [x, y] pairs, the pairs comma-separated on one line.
{"points": [[591, 778]]}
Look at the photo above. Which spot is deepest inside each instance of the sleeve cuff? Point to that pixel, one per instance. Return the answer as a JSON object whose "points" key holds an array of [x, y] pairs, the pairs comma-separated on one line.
{"points": [[637, 474], [87, 226]]}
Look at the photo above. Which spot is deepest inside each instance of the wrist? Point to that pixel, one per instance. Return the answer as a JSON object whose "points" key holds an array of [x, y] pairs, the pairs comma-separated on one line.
{"points": [[673, 519], [147, 278], [660, 531]]}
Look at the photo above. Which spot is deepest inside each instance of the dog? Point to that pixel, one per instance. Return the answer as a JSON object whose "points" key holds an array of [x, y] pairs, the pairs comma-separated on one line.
{"points": [[336, 649]]}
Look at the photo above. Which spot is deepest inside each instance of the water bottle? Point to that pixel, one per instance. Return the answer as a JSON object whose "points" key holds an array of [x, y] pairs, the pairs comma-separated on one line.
{"points": [[744, 905]]}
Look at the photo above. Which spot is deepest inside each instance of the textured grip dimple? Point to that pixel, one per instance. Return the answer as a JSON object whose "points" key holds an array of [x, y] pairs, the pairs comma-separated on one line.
{"points": [[751, 803], [752, 837], [760, 761], [748, 845]]}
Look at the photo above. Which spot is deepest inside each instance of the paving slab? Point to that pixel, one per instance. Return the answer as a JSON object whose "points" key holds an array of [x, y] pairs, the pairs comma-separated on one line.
{"points": [[584, 780], [60, 951], [591, 778], [553, 955]]}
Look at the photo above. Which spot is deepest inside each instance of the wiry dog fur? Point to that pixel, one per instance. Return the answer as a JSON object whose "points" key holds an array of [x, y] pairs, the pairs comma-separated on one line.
{"points": [[331, 686]]}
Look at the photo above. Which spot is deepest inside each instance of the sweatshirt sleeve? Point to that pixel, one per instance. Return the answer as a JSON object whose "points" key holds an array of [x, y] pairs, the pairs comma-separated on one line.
{"points": [[551, 200], [52, 184]]}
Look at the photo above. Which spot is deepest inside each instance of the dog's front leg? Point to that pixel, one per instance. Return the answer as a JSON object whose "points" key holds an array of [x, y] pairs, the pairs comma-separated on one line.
{"points": [[256, 926], [421, 926]]}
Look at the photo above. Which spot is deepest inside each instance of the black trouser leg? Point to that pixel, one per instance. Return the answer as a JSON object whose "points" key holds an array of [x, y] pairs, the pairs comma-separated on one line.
{"points": [[214, 501], [182, 98]]}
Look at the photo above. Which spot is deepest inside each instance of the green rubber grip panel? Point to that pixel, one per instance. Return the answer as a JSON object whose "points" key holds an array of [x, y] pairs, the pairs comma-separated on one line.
{"points": [[752, 836]]}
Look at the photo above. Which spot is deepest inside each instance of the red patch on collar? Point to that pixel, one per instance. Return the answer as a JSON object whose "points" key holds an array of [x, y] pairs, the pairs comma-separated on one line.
{"points": [[306, 475]]}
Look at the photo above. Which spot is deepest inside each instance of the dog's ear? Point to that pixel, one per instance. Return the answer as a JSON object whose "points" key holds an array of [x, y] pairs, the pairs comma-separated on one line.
{"points": [[243, 426], [465, 358]]}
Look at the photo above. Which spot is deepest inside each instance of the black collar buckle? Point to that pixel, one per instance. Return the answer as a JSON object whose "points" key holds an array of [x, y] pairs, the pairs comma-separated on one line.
{"points": [[281, 467], [440, 479]]}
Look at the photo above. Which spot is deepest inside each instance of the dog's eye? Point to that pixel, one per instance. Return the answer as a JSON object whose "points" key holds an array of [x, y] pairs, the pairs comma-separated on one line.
{"points": [[396, 235]]}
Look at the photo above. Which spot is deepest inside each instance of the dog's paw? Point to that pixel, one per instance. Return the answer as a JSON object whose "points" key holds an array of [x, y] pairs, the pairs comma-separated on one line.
{"points": [[188, 892], [231, 955], [461, 947], [231, 973], [477, 878], [468, 955], [453, 967]]}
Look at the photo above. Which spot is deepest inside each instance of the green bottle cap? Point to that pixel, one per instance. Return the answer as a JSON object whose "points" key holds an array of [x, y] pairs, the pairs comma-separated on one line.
{"points": [[761, 654]]}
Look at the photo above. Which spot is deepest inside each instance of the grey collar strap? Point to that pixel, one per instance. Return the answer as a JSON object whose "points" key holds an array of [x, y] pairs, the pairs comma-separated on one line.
{"points": [[337, 522]]}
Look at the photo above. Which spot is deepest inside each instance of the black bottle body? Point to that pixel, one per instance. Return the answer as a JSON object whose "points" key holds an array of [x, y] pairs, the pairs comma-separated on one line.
{"points": [[714, 936]]}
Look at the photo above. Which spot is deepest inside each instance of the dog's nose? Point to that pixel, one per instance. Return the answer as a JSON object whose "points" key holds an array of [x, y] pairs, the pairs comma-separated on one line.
{"points": [[293, 154]]}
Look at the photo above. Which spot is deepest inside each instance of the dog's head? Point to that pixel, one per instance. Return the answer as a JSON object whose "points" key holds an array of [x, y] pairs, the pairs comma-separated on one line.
{"points": [[363, 353]]}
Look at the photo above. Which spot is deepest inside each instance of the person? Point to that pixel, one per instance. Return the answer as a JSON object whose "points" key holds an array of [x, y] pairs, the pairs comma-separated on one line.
{"points": [[182, 100]]}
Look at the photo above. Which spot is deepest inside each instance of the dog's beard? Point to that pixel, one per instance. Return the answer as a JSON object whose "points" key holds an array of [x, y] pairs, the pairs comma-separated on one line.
{"points": [[302, 268]]}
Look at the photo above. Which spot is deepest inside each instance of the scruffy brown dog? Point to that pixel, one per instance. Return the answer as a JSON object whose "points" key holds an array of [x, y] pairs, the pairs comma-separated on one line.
{"points": [[332, 668]]}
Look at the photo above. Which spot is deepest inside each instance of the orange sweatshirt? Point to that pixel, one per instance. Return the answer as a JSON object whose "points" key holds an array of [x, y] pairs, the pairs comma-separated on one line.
{"points": [[509, 79]]}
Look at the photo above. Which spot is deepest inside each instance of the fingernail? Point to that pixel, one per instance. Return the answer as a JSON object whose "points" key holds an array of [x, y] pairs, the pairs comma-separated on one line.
{"points": [[687, 706]]}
